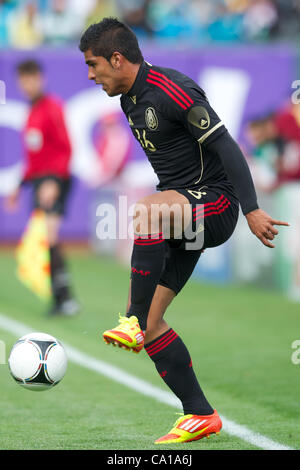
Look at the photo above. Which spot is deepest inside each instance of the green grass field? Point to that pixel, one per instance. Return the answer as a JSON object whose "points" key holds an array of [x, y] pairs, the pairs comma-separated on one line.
{"points": [[239, 338]]}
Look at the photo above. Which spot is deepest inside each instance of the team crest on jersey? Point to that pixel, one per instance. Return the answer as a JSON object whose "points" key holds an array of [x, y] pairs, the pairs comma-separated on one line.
{"points": [[151, 119]]}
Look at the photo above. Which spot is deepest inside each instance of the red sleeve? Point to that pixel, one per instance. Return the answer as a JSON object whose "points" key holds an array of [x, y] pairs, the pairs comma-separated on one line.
{"points": [[57, 127]]}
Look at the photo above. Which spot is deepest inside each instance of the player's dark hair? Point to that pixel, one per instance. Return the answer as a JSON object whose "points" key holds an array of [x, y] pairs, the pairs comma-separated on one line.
{"points": [[29, 67], [109, 36]]}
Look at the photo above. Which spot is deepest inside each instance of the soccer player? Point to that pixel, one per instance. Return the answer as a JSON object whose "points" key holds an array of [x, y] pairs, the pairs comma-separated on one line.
{"points": [[203, 175], [47, 168]]}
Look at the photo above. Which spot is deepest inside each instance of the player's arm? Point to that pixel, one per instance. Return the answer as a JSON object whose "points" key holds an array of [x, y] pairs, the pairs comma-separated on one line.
{"points": [[205, 126], [11, 202], [236, 167], [193, 110]]}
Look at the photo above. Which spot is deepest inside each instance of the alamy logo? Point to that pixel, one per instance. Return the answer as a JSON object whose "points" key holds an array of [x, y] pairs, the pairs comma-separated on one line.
{"points": [[2, 353], [2, 92], [295, 358], [124, 221]]}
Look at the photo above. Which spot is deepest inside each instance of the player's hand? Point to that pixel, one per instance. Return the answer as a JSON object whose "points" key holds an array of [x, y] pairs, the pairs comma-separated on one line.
{"points": [[11, 202], [48, 194], [262, 225]]}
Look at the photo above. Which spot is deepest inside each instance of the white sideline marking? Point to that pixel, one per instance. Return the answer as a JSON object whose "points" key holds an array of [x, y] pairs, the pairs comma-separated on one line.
{"points": [[19, 329]]}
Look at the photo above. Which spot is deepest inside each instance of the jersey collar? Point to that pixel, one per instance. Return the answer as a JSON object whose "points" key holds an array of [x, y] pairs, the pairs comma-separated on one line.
{"points": [[139, 81]]}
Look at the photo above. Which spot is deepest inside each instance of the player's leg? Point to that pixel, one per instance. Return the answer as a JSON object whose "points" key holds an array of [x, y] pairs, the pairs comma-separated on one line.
{"points": [[129, 327], [172, 359], [199, 420], [160, 302], [60, 278], [163, 217], [161, 342], [50, 195], [156, 324], [154, 215], [171, 356], [166, 349]]}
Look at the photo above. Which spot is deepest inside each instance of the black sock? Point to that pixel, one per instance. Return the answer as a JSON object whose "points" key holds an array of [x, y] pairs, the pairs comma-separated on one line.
{"points": [[174, 365], [59, 276], [147, 263]]}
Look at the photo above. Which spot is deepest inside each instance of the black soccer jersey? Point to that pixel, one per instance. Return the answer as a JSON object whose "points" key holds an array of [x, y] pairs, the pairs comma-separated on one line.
{"points": [[171, 118]]}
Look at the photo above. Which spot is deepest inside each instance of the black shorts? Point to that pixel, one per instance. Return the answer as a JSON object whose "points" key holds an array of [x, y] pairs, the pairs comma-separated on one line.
{"points": [[215, 215], [59, 206]]}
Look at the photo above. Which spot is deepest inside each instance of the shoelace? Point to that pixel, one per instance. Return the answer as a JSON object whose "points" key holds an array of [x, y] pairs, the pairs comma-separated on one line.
{"points": [[124, 321]]}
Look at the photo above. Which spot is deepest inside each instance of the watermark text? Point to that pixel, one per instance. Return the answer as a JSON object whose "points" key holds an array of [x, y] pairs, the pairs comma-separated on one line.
{"points": [[2, 352], [295, 357], [173, 221], [2, 92]]}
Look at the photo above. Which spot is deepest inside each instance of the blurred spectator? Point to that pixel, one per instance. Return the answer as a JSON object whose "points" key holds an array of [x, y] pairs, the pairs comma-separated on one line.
{"points": [[267, 149], [289, 13], [82, 8], [260, 19], [135, 14], [61, 24], [197, 21], [276, 148], [172, 19], [26, 26], [6, 7], [287, 122], [227, 25], [101, 9]]}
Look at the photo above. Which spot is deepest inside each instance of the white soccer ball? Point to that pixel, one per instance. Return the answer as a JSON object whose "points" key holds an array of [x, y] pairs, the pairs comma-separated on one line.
{"points": [[37, 361]]}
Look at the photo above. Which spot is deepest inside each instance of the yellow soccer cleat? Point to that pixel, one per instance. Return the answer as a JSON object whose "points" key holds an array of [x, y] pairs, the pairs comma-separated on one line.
{"points": [[191, 428], [127, 335]]}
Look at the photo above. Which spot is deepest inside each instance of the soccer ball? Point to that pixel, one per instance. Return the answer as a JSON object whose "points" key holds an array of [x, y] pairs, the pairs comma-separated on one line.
{"points": [[37, 361]]}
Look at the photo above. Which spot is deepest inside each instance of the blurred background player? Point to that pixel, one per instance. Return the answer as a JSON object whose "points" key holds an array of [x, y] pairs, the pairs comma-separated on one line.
{"points": [[275, 152], [47, 169]]}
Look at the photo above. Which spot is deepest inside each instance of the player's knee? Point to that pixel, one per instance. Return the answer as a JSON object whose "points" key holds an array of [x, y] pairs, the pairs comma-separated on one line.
{"points": [[145, 219]]}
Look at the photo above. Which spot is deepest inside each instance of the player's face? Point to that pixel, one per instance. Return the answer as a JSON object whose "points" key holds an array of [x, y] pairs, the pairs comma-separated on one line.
{"points": [[31, 84], [107, 74]]}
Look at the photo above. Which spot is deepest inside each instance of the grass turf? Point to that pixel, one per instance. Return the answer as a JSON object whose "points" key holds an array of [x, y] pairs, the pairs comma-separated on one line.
{"points": [[239, 338]]}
